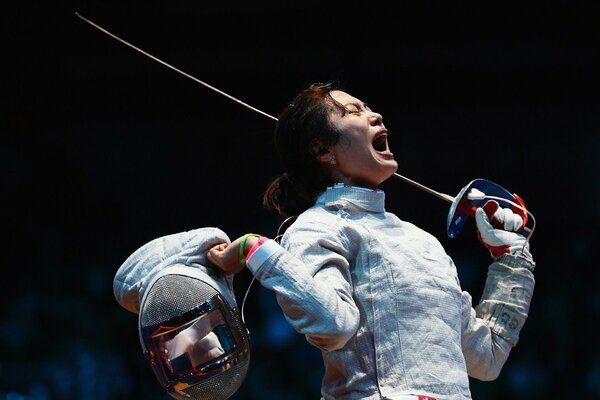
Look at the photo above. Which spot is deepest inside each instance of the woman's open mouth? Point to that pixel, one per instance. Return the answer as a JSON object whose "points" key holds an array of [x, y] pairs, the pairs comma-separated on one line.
{"points": [[380, 143]]}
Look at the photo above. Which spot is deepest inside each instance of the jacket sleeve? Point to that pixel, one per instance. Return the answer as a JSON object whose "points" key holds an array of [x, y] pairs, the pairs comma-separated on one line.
{"points": [[312, 283], [491, 329], [187, 248]]}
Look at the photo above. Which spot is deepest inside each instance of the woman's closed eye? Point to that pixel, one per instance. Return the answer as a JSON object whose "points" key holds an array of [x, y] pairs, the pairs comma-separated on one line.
{"points": [[356, 108]]}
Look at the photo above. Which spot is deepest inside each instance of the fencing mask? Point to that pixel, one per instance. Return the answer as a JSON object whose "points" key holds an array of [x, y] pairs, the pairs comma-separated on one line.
{"points": [[189, 324]]}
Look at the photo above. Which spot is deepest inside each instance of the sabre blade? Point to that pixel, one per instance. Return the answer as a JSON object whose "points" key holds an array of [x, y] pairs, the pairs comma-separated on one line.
{"points": [[442, 196], [172, 67]]}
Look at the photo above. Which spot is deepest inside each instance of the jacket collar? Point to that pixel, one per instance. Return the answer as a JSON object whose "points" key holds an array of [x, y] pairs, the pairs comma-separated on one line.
{"points": [[343, 196]]}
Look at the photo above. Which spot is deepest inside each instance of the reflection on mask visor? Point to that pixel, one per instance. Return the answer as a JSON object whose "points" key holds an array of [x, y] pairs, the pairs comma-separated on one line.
{"points": [[192, 347]]}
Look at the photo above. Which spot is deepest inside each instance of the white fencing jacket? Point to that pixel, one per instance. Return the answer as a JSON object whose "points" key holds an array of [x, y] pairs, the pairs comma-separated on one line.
{"points": [[382, 300]]}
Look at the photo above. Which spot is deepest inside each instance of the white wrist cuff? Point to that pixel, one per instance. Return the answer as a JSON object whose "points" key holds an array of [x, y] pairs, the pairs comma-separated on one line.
{"points": [[261, 254]]}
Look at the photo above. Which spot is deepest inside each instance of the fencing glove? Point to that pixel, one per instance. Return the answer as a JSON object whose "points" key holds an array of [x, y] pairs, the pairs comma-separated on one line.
{"points": [[497, 229]]}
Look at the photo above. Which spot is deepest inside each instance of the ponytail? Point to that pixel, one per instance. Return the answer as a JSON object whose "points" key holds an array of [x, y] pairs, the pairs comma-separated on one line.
{"points": [[283, 198], [301, 126]]}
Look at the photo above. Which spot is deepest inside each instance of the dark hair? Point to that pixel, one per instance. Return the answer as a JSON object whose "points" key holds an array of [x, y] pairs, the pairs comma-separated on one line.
{"points": [[303, 131]]}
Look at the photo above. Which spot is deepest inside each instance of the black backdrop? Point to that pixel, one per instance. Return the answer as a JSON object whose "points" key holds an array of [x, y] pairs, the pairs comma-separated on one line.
{"points": [[104, 149]]}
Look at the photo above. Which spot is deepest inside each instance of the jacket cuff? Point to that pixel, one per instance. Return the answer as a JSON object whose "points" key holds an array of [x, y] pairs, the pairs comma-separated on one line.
{"points": [[258, 257], [516, 261]]}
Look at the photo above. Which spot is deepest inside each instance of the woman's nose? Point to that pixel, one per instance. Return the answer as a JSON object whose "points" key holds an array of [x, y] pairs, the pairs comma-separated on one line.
{"points": [[376, 118]]}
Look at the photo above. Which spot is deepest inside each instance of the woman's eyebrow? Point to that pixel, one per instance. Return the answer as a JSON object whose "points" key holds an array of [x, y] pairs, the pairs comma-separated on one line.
{"points": [[357, 104]]}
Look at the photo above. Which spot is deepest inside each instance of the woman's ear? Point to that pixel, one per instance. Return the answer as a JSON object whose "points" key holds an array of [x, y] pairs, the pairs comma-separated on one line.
{"points": [[320, 152], [324, 155]]}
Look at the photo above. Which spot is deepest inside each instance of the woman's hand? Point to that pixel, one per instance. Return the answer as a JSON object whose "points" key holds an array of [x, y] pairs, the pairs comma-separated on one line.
{"points": [[227, 256], [497, 229]]}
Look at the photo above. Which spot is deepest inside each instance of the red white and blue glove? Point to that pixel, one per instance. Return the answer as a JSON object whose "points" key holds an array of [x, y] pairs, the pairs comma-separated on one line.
{"points": [[497, 229]]}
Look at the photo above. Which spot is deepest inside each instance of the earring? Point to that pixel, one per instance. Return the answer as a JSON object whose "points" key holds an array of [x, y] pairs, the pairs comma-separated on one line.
{"points": [[332, 161]]}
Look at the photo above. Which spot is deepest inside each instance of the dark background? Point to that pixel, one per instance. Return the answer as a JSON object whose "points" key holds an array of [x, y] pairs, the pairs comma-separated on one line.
{"points": [[104, 149]]}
